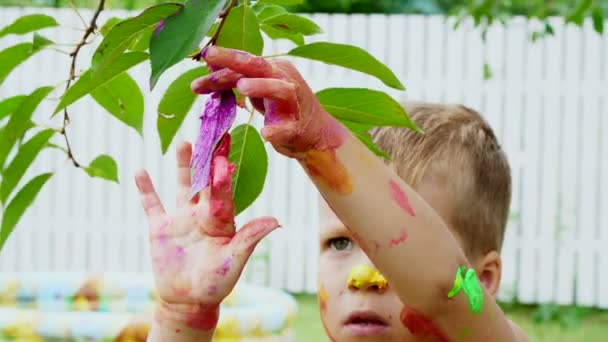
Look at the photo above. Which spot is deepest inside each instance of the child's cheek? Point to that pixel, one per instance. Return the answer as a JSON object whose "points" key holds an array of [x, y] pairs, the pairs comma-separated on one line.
{"points": [[323, 298]]}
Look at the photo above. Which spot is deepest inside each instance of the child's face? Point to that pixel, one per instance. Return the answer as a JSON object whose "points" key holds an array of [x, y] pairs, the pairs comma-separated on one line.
{"points": [[366, 313]]}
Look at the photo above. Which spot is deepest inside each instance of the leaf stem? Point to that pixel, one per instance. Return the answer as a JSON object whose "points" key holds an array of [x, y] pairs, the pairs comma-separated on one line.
{"points": [[223, 15]]}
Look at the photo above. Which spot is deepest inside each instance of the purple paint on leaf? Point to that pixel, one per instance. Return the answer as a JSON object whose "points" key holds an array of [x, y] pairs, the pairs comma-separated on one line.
{"points": [[159, 27], [217, 117]]}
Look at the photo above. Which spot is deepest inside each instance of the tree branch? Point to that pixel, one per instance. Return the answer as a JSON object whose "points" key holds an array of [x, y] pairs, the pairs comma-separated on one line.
{"points": [[74, 55], [223, 15]]}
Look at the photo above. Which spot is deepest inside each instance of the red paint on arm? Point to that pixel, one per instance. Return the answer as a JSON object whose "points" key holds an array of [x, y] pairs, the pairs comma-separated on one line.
{"points": [[420, 325], [398, 240], [401, 198]]}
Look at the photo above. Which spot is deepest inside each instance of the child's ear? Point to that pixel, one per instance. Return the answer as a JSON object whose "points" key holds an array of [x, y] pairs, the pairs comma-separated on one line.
{"points": [[489, 271]]}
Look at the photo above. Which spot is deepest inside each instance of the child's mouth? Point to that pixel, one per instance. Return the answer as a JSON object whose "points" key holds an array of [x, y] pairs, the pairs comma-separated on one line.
{"points": [[366, 323]]}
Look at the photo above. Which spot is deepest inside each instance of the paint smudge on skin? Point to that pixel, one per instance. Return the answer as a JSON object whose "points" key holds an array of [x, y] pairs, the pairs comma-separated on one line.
{"points": [[179, 253], [223, 270], [376, 246], [401, 198], [212, 291], [322, 296], [467, 281], [204, 320], [181, 291], [398, 240], [363, 275], [359, 241], [420, 325], [325, 167]]}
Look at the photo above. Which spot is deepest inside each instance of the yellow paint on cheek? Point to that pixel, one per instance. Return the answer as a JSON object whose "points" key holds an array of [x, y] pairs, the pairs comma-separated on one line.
{"points": [[363, 274], [325, 167], [322, 297]]}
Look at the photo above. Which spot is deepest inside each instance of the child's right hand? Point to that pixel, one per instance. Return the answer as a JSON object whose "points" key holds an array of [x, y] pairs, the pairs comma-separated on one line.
{"points": [[197, 255]]}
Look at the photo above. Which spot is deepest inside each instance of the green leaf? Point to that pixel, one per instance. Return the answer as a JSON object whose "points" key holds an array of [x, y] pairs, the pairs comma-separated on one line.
{"points": [[577, 16], [9, 106], [87, 83], [20, 120], [17, 207], [123, 33], [275, 34], [247, 152], [348, 56], [40, 42], [103, 167], [11, 57], [122, 98], [293, 23], [241, 31], [107, 26], [280, 2], [364, 106], [181, 34], [21, 162], [367, 140], [598, 19], [29, 23], [268, 11], [142, 42], [175, 105]]}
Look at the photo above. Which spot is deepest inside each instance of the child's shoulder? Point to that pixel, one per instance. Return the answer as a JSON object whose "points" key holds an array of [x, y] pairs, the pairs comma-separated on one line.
{"points": [[520, 335]]}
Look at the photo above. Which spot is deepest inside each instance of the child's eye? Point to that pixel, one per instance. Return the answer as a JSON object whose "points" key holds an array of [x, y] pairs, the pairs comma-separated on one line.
{"points": [[341, 244]]}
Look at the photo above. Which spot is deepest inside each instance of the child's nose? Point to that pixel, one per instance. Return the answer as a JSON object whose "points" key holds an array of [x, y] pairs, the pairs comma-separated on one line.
{"points": [[366, 278]]}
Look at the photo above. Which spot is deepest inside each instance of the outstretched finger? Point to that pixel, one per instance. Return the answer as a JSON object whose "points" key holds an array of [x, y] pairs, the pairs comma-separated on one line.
{"points": [[280, 97], [239, 61], [149, 198], [184, 153], [221, 80]]}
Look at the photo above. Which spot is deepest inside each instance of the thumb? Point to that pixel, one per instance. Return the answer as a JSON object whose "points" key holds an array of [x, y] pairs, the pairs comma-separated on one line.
{"points": [[246, 238]]}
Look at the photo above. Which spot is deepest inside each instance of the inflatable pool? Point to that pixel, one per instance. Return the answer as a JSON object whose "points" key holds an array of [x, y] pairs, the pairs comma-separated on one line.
{"points": [[119, 307]]}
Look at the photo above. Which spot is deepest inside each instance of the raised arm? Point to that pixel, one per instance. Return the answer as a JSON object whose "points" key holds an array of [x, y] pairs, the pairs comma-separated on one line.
{"points": [[401, 234]]}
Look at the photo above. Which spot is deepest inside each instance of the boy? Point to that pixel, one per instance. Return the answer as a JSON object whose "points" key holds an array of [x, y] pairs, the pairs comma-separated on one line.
{"points": [[198, 256]]}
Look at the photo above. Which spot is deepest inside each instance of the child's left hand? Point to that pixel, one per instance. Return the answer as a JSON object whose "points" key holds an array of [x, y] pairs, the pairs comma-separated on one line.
{"points": [[294, 120]]}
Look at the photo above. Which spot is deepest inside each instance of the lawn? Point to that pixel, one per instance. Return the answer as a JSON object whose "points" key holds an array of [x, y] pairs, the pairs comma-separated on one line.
{"points": [[542, 323]]}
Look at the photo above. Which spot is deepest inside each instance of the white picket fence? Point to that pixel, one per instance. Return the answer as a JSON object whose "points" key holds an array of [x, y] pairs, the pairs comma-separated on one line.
{"points": [[548, 102]]}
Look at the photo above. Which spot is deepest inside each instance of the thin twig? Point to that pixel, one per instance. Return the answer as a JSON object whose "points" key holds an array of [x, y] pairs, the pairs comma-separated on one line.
{"points": [[223, 15], [84, 24], [74, 55]]}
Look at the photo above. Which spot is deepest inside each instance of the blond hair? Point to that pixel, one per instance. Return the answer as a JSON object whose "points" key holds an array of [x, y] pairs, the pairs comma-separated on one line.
{"points": [[460, 153]]}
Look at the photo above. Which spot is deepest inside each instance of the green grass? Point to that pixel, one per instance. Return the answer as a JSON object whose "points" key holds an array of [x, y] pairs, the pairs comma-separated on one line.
{"points": [[541, 323]]}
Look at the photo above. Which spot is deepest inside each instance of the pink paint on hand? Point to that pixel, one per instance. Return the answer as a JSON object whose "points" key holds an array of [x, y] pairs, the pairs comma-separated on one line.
{"points": [[401, 198], [398, 240], [223, 270], [179, 252], [204, 320]]}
